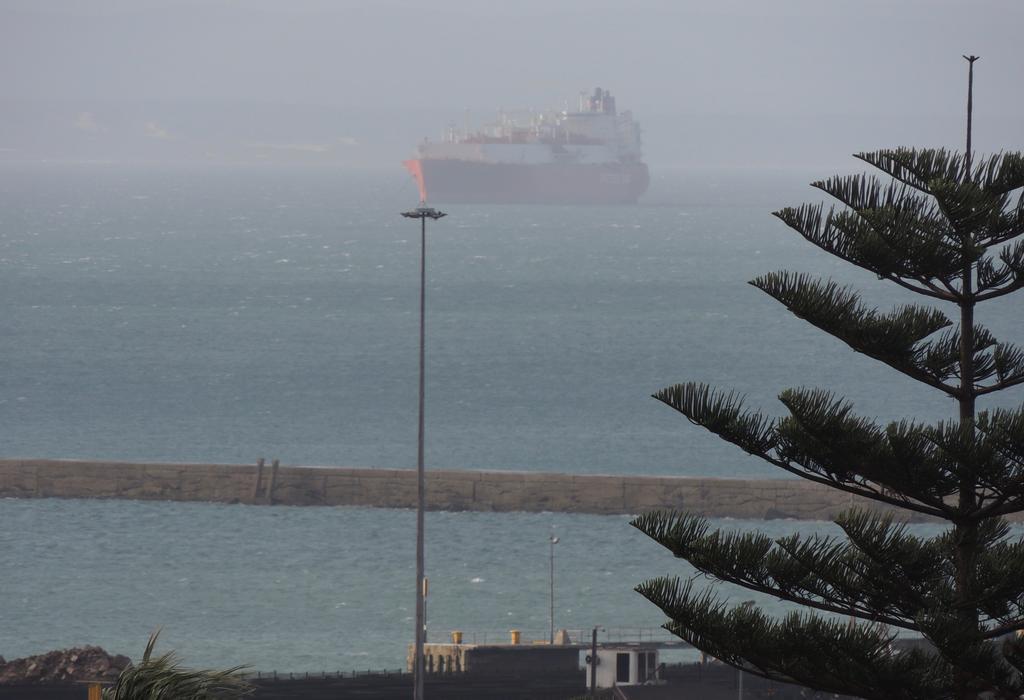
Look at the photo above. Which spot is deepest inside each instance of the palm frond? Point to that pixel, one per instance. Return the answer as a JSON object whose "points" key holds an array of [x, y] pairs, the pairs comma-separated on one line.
{"points": [[163, 678]]}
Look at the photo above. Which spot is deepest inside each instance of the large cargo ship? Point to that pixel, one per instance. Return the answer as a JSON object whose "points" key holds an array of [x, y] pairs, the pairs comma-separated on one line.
{"points": [[590, 156]]}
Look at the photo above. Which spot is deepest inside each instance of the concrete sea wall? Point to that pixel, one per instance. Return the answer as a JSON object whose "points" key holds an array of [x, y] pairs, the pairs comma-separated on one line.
{"points": [[459, 490]]}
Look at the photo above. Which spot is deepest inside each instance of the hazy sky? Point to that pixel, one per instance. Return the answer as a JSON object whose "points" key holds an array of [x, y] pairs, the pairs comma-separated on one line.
{"points": [[760, 83]]}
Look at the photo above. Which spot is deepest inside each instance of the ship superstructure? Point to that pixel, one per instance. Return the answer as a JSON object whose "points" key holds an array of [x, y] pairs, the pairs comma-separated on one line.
{"points": [[588, 156]]}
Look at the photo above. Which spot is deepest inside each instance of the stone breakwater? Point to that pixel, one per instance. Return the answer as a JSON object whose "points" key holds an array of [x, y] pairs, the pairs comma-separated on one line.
{"points": [[447, 489]]}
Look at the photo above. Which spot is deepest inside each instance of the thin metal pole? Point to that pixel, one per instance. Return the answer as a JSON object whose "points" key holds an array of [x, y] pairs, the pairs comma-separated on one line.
{"points": [[420, 480], [551, 615], [970, 109]]}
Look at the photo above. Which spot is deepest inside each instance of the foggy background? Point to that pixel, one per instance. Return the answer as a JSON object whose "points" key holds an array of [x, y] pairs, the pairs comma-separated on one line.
{"points": [[794, 84]]}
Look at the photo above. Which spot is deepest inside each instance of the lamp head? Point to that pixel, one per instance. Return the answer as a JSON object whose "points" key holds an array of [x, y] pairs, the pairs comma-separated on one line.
{"points": [[423, 213]]}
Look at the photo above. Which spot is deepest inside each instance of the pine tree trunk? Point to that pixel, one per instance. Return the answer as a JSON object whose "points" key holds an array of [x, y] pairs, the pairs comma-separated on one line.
{"points": [[966, 533]]}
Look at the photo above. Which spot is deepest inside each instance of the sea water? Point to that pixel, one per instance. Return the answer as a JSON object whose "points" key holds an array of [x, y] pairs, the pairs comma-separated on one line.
{"points": [[320, 589], [229, 314]]}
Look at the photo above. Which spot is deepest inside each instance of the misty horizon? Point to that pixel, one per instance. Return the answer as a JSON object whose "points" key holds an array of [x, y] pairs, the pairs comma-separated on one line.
{"points": [[796, 85]]}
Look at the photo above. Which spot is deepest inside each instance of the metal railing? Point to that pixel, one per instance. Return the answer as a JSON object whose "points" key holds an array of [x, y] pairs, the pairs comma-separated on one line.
{"points": [[576, 637], [323, 675]]}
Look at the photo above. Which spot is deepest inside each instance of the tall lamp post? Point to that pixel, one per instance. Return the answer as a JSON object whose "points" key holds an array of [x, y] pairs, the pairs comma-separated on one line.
{"points": [[553, 540], [422, 213]]}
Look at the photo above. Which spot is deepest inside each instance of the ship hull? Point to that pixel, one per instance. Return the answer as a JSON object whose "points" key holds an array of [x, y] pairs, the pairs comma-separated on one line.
{"points": [[460, 181]]}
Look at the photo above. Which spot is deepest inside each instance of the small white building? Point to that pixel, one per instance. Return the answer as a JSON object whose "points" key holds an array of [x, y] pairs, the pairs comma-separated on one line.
{"points": [[628, 664]]}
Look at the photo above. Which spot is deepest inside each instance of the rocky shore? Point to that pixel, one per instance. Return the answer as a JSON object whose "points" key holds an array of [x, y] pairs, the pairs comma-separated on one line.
{"points": [[74, 665]]}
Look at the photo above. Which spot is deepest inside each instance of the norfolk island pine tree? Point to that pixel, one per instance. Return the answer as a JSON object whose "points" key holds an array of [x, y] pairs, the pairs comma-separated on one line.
{"points": [[950, 228]]}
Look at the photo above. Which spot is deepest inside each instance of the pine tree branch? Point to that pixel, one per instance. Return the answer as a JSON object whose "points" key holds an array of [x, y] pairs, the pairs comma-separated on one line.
{"points": [[913, 227], [1007, 384], [871, 593], [852, 239], [976, 660], [1010, 497], [897, 339], [974, 204], [971, 212], [999, 594], [908, 568], [1013, 652], [724, 415], [1000, 173], [1001, 291], [1005, 429], [884, 541], [1003, 223], [786, 568], [823, 436], [940, 358], [966, 452], [966, 199], [1008, 278], [928, 289], [862, 489], [891, 339], [806, 649], [1007, 365], [915, 168], [1008, 506], [1008, 628]]}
